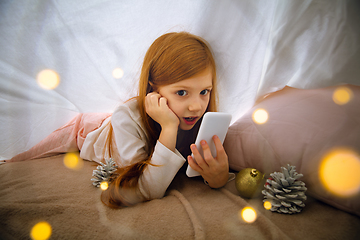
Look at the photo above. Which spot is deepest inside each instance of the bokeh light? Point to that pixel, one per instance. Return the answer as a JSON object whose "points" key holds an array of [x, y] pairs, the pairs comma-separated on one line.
{"points": [[340, 172], [248, 214], [267, 205], [41, 231], [118, 73], [48, 79], [342, 95], [73, 161], [104, 185], [260, 116]]}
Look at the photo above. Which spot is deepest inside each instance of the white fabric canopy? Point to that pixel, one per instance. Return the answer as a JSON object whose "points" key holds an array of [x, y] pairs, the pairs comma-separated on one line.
{"points": [[260, 47]]}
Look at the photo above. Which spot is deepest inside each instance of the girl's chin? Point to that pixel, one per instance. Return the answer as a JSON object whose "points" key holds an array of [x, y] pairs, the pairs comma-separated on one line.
{"points": [[186, 127]]}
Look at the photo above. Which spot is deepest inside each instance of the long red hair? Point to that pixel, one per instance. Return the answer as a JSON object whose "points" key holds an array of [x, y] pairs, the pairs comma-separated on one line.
{"points": [[171, 58]]}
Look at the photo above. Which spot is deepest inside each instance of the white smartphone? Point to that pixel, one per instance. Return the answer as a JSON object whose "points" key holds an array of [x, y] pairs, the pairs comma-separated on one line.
{"points": [[213, 123]]}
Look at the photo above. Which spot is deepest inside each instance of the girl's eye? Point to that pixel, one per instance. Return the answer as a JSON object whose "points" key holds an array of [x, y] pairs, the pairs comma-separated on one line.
{"points": [[181, 93], [204, 92]]}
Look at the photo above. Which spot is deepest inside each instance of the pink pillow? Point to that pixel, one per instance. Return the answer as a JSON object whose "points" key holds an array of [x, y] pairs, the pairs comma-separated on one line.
{"points": [[303, 126]]}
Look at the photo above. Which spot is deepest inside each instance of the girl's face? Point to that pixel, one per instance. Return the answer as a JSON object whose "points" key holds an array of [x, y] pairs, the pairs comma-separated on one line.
{"points": [[189, 98]]}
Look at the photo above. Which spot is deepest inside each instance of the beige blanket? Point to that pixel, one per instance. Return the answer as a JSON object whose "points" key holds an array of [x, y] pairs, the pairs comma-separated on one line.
{"points": [[45, 190]]}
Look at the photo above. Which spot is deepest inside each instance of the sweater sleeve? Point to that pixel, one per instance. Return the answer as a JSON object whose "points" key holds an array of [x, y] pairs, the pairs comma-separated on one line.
{"points": [[130, 137], [158, 176]]}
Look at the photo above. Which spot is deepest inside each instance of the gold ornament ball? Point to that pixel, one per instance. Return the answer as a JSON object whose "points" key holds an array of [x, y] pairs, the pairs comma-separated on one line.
{"points": [[249, 182]]}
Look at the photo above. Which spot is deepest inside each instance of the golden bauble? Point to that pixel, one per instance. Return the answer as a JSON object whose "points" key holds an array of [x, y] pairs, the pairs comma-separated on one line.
{"points": [[249, 182]]}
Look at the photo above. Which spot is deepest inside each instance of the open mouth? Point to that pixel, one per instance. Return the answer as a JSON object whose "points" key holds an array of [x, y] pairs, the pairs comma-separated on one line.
{"points": [[190, 120]]}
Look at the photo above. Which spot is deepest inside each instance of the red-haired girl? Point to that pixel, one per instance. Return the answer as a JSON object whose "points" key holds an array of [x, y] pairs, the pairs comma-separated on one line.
{"points": [[151, 135]]}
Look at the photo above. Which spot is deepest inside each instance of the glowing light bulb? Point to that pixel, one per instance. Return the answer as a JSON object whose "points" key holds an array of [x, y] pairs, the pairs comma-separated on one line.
{"points": [[41, 231], [260, 116], [267, 205], [339, 172], [248, 214], [118, 73], [73, 161], [342, 95], [48, 79], [104, 185]]}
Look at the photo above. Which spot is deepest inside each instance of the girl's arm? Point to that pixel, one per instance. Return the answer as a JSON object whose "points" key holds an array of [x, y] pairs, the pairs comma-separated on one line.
{"points": [[131, 141], [157, 177]]}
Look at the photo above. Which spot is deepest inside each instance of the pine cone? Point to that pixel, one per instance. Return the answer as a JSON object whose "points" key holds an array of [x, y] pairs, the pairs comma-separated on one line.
{"points": [[285, 193], [104, 172]]}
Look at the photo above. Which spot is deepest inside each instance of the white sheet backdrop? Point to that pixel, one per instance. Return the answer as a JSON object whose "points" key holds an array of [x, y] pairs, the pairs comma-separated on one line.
{"points": [[260, 46]]}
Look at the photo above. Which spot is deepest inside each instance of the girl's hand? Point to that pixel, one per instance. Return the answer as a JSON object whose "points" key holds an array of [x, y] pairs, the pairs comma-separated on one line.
{"points": [[156, 107], [214, 170]]}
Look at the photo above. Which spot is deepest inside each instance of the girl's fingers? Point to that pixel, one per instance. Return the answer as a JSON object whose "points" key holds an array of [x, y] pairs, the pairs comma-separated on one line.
{"points": [[163, 102], [220, 151], [193, 164], [153, 103], [154, 99], [198, 158], [208, 161], [208, 157], [151, 100]]}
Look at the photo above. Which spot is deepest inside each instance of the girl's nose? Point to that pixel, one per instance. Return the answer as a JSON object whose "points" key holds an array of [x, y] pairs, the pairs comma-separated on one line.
{"points": [[194, 106]]}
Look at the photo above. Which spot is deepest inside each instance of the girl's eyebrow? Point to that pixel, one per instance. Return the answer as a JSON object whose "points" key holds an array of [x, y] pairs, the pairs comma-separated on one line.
{"points": [[187, 87]]}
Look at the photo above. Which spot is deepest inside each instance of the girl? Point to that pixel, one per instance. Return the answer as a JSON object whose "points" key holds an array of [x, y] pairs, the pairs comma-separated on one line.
{"points": [[149, 136]]}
